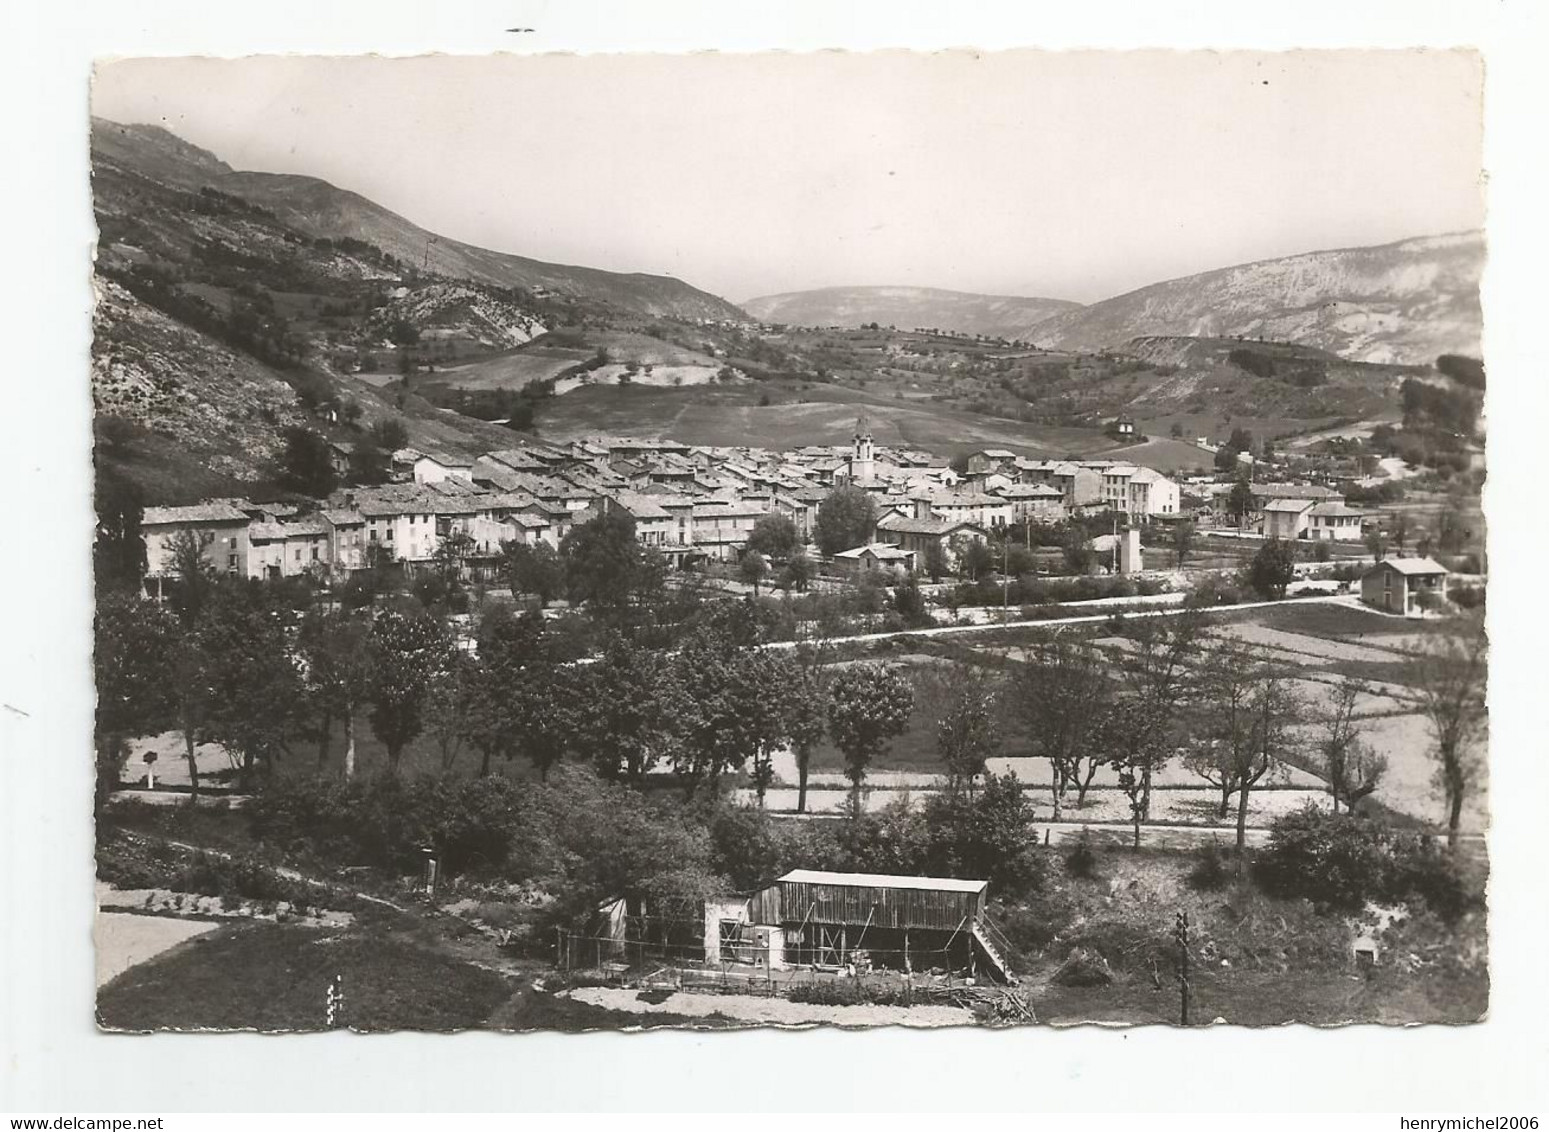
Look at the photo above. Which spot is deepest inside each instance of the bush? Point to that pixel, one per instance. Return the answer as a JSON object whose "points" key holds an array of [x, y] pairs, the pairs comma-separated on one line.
{"points": [[1215, 589], [1467, 597], [1209, 872], [1338, 861], [850, 992], [1081, 861], [1343, 862]]}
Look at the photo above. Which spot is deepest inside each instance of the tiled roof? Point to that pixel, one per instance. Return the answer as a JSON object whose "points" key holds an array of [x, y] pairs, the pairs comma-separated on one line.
{"points": [[908, 526], [1293, 491], [213, 511], [877, 550], [640, 506], [1411, 566], [304, 528]]}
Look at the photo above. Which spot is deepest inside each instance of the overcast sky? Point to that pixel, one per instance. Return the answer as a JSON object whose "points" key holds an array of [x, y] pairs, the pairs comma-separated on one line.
{"points": [[1077, 175]]}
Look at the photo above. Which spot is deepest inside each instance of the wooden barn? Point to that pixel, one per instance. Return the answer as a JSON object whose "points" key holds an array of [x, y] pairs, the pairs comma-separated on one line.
{"points": [[827, 920]]}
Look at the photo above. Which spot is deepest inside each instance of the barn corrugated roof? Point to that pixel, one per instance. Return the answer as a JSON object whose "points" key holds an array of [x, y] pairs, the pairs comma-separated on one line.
{"points": [[882, 880]]}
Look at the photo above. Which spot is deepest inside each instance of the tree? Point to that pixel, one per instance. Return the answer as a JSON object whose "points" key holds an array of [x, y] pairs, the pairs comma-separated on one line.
{"points": [[753, 568], [196, 579], [536, 569], [799, 572], [989, 834], [389, 434], [1350, 767], [1449, 672], [623, 711], [522, 699], [133, 662], [447, 701], [256, 696], [1377, 543], [722, 721], [975, 559], [1273, 569], [1157, 678], [451, 555], [774, 536], [335, 650], [1183, 541], [1239, 501], [604, 565], [868, 706], [118, 555], [806, 720], [1062, 695], [306, 464], [1245, 713], [1400, 529], [965, 701], [846, 518], [1078, 552], [408, 652], [935, 561]]}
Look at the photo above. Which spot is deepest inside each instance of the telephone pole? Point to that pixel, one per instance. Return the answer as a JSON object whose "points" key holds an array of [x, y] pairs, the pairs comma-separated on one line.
{"points": [[1181, 936]]}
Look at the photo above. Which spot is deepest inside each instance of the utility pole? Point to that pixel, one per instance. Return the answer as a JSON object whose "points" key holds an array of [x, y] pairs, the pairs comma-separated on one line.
{"points": [[1005, 577], [1181, 936], [335, 1002]]}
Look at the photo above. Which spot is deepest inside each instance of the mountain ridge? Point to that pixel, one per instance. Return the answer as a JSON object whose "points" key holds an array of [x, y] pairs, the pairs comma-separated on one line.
{"points": [[322, 209], [906, 307], [1403, 302]]}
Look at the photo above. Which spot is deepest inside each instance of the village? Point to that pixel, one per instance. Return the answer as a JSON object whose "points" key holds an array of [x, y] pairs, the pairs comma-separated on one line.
{"points": [[820, 648], [697, 505]]}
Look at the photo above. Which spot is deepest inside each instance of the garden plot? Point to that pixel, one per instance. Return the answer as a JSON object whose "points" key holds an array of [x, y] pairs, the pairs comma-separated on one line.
{"points": [[1302, 645], [1406, 741], [1374, 701]]}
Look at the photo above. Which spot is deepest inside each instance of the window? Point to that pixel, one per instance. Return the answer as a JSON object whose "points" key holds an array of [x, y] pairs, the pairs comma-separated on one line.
{"points": [[231, 561], [389, 534], [314, 554]]}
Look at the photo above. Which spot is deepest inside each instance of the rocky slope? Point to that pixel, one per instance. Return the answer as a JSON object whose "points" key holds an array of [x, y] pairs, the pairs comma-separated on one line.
{"points": [[1401, 303], [319, 209], [218, 405], [1000, 316]]}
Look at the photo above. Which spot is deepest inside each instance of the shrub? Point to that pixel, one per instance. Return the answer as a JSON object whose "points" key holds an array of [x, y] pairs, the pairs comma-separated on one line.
{"points": [[1081, 861], [1338, 861], [1209, 872], [1467, 597], [1342, 861], [850, 992]]}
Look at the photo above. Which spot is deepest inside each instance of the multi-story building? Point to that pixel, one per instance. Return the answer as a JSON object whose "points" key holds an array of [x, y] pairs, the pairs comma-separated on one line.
{"points": [[219, 525]]}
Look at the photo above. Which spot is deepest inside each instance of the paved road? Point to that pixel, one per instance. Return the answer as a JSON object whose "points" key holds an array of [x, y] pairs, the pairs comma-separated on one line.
{"points": [[1083, 619]]}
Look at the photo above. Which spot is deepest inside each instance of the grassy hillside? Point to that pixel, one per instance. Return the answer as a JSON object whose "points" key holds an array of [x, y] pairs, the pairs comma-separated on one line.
{"points": [[795, 415], [908, 308]]}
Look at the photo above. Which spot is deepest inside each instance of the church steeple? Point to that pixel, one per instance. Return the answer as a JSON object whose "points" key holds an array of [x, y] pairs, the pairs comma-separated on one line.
{"points": [[863, 458]]}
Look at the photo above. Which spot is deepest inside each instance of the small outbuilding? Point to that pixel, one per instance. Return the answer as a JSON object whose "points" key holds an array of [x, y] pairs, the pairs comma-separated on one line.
{"points": [[830, 920], [1404, 585]]}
